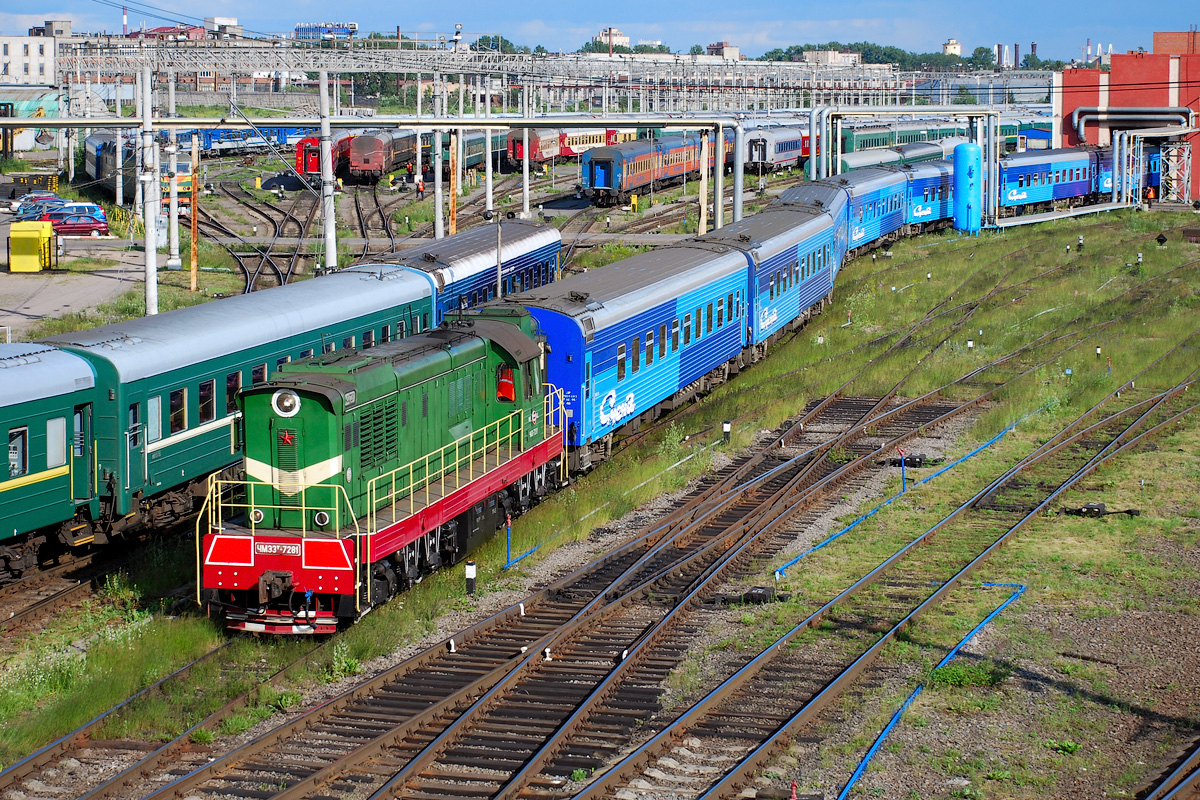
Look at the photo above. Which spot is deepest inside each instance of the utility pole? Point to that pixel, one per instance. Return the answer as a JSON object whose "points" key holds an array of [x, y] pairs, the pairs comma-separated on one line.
{"points": [[195, 212], [173, 261], [328, 215], [147, 175]]}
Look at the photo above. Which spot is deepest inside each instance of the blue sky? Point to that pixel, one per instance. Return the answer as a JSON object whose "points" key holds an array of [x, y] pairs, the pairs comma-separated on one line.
{"points": [[1061, 28]]}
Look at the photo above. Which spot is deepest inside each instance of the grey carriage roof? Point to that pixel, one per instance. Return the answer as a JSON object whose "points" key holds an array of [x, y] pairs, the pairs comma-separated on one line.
{"points": [[824, 193], [32, 371], [154, 345], [770, 229], [929, 169], [1043, 156], [456, 257], [626, 288]]}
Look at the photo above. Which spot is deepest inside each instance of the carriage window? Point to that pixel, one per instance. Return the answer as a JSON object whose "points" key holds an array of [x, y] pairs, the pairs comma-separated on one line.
{"points": [[348, 343], [135, 428], [325, 348], [621, 362], [674, 336], [697, 323], [385, 333], [687, 329], [636, 353], [279, 362], [708, 319], [649, 348], [729, 305], [18, 452], [56, 442], [662, 341], [306, 353], [208, 404], [154, 418], [259, 373], [721, 313], [401, 329], [587, 381], [233, 382], [368, 339], [178, 410]]}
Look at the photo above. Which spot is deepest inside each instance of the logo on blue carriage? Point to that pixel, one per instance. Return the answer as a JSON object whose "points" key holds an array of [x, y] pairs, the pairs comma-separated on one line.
{"points": [[612, 412], [1013, 194], [1107, 183], [767, 317], [922, 211], [857, 233]]}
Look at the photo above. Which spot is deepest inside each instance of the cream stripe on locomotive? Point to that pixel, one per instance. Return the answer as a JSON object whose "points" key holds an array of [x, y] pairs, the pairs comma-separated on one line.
{"points": [[291, 482]]}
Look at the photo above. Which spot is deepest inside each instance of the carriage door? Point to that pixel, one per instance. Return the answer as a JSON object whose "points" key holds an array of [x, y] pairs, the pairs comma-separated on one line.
{"points": [[758, 150], [601, 177], [83, 476]]}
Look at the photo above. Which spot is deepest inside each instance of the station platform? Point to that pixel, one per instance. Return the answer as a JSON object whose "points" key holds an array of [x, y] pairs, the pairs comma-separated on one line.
{"points": [[1031, 219]]}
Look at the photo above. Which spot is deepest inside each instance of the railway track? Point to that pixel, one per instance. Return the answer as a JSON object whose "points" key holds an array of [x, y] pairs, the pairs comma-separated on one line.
{"points": [[373, 220]]}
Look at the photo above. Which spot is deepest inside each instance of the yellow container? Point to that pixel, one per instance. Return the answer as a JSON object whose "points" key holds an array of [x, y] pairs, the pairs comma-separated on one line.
{"points": [[31, 247], [258, 181]]}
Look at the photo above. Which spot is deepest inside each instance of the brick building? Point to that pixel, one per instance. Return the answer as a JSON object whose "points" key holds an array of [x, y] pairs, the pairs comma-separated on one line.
{"points": [[1136, 80], [1177, 43]]}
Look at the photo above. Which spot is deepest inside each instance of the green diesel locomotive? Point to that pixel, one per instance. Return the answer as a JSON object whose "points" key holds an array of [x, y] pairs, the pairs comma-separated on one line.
{"points": [[367, 469]]}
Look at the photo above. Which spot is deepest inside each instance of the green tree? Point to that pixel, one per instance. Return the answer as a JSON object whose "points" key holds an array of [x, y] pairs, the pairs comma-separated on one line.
{"points": [[539, 50], [982, 58], [496, 44], [696, 50], [602, 47], [964, 97]]}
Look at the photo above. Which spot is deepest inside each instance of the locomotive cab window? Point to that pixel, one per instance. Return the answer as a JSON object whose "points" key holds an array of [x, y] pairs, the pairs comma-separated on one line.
{"points": [[506, 390]]}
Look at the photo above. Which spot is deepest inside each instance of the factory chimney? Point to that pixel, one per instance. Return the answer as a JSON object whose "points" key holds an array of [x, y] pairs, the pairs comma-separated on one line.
{"points": [[1016, 55], [124, 21], [1033, 49], [1087, 58]]}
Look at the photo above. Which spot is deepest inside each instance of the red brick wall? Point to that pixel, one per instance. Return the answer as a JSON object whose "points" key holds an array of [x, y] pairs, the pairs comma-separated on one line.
{"points": [[1176, 43], [1135, 79]]}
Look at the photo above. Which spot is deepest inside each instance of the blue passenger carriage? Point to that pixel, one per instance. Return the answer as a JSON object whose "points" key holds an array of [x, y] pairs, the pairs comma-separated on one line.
{"points": [[878, 199], [1041, 178], [640, 337], [930, 196]]}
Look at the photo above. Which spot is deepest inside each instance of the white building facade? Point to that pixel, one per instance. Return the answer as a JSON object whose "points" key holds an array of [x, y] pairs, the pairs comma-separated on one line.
{"points": [[27, 60]]}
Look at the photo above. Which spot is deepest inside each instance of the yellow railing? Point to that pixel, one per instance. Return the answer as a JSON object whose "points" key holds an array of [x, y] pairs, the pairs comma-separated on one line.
{"points": [[449, 468], [444, 468], [228, 498]]}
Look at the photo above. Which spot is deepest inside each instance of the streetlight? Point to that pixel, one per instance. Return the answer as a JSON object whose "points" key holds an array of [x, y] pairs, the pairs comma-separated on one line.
{"points": [[489, 216]]}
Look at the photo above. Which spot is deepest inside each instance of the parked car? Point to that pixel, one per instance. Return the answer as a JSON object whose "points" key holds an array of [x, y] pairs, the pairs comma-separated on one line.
{"points": [[80, 225], [31, 197], [70, 209], [34, 210]]}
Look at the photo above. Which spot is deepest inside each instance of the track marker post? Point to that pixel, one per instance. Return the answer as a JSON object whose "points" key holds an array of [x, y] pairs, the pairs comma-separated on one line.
{"points": [[508, 543]]}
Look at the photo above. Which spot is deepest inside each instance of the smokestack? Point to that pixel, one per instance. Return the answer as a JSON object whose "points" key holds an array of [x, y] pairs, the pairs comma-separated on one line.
{"points": [[124, 21], [1087, 59], [1016, 55], [1033, 48], [999, 54]]}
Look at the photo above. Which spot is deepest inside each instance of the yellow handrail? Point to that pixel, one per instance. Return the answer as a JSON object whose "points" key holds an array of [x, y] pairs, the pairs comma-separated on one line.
{"points": [[222, 505]]}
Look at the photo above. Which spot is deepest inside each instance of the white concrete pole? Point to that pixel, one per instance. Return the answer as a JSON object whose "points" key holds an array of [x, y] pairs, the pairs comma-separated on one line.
{"points": [[487, 146], [739, 167], [173, 261], [119, 138], [419, 173], [147, 175], [525, 154], [439, 222], [458, 156], [328, 214], [139, 97], [719, 182]]}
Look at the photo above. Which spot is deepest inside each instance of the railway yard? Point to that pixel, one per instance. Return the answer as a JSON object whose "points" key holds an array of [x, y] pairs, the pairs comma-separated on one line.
{"points": [[711, 614]]}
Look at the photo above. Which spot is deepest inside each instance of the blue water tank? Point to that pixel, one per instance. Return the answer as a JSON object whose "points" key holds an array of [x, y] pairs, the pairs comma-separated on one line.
{"points": [[968, 187]]}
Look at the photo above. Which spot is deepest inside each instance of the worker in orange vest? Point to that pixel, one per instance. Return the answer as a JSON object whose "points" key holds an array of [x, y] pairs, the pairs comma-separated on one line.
{"points": [[420, 188], [504, 385]]}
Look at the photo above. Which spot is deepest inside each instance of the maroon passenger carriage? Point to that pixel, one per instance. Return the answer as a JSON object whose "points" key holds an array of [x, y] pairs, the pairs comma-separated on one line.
{"points": [[375, 153]]}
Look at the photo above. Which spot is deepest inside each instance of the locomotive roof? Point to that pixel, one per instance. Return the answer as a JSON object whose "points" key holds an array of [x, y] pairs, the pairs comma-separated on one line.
{"points": [[154, 345], [31, 371], [628, 287], [473, 251]]}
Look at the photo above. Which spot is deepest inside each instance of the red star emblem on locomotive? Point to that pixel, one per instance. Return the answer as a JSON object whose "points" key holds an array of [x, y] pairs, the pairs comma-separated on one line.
{"points": [[287, 437]]}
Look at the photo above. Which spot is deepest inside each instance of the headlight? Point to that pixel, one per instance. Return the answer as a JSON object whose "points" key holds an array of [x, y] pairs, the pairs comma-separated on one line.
{"points": [[286, 403]]}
